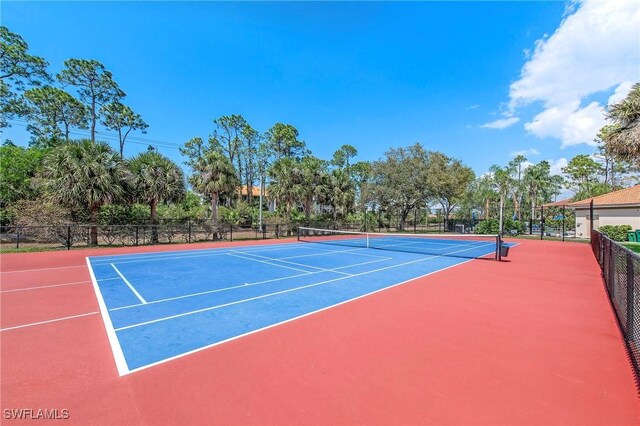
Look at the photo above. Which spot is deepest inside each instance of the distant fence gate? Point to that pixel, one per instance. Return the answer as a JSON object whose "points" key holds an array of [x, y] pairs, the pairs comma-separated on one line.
{"points": [[621, 272]]}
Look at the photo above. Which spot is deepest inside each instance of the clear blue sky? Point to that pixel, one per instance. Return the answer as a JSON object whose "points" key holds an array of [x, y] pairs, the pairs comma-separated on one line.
{"points": [[374, 75]]}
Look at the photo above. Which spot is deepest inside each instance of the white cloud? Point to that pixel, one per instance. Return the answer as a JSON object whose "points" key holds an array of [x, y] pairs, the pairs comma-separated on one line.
{"points": [[474, 106], [569, 123], [502, 123], [594, 50], [525, 152], [621, 92], [557, 165]]}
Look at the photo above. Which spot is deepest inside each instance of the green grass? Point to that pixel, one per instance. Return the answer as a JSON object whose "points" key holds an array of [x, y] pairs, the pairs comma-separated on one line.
{"points": [[632, 246]]}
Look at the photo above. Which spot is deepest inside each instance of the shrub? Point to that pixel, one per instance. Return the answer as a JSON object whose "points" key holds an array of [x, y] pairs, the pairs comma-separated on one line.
{"points": [[492, 226], [616, 232]]}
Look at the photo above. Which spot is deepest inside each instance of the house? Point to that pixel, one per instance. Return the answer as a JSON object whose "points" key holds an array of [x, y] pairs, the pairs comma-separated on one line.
{"points": [[615, 208], [255, 193]]}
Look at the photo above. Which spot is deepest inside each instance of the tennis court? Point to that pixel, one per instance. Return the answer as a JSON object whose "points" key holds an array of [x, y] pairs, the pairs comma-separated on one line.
{"points": [[160, 306], [482, 342]]}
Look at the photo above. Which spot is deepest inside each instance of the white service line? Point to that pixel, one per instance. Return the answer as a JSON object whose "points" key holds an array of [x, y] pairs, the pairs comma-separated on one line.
{"points": [[281, 292], [273, 259], [265, 262], [168, 299], [48, 321], [42, 269], [330, 252], [44, 286], [126, 281]]}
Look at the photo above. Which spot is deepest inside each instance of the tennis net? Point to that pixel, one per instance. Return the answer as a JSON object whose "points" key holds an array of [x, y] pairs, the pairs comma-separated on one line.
{"points": [[471, 246]]}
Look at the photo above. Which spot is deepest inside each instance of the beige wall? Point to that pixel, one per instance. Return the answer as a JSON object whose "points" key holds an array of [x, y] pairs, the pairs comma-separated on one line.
{"points": [[604, 216]]}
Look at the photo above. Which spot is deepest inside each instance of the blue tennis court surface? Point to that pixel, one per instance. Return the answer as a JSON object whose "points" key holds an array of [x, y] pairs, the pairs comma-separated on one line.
{"points": [[159, 306]]}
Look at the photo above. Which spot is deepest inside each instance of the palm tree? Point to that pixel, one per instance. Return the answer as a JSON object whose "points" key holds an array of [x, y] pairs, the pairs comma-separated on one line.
{"points": [[214, 175], [84, 175], [287, 184], [622, 139], [313, 174], [341, 193], [538, 180], [156, 179], [503, 183]]}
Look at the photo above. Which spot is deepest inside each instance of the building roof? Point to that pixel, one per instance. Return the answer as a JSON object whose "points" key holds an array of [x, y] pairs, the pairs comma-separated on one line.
{"points": [[559, 203], [623, 197], [255, 191]]}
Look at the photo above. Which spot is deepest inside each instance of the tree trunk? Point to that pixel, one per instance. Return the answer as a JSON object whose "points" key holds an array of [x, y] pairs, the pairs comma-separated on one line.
{"points": [[121, 143], [93, 231], [93, 120], [214, 208], [516, 206], [154, 227], [487, 206]]}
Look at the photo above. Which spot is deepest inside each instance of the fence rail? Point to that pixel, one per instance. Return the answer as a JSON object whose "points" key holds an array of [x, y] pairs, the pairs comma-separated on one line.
{"points": [[621, 272]]}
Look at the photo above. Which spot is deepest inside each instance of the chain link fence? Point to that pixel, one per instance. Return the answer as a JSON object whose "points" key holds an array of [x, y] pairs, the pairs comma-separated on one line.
{"points": [[621, 272]]}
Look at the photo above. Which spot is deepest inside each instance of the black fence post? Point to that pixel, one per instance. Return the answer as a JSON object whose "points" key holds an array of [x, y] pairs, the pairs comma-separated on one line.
{"points": [[531, 226], [542, 222], [189, 232], [17, 237], [277, 231], [136, 235], [230, 232], [264, 232], [68, 237], [415, 213], [563, 219]]}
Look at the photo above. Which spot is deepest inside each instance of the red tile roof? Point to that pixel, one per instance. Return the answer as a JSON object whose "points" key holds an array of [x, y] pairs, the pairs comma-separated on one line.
{"points": [[623, 197], [559, 203]]}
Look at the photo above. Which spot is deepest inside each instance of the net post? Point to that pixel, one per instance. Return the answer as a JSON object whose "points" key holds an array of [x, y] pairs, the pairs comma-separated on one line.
{"points": [[298, 233], [498, 248]]}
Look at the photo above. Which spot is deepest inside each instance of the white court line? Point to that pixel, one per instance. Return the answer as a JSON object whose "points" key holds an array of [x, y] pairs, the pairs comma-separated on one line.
{"points": [[262, 261], [147, 257], [281, 292], [242, 285], [126, 281], [42, 269], [43, 286], [153, 364], [118, 355], [109, 279], [48, 321], [329, 252], [273, 259]]}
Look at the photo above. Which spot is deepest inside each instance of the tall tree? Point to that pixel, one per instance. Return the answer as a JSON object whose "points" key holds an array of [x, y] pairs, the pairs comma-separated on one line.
{"points": [[119, 117], [447, 181], [252, 140], [95, 85], [342, 157], [156, 179], [50, 108], [583, 173], [287, 184], [284, 143], [341, 193], [623, 138], [540, 184], [18, 68], [214, 176], [398, 181], [313, 187], [503, 183], [84, 174], [229, 133], [516, 166]]}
